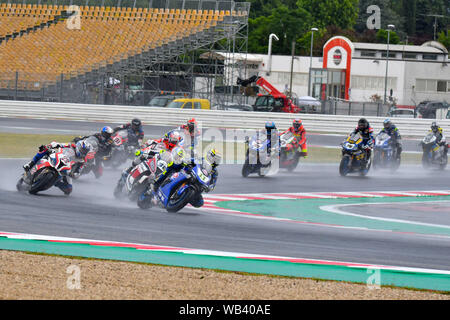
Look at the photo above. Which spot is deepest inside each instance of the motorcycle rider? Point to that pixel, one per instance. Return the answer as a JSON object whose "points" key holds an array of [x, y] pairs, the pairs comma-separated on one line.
{"points": [[178, 160], [80, 150], [104, 143], [366, 132], [390, 129], [135, 132], [439, 134], [299, 132], [149, 150]]}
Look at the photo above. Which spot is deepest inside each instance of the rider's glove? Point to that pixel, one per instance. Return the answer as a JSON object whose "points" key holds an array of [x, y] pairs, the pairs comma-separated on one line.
{"points": [[43, 148]]}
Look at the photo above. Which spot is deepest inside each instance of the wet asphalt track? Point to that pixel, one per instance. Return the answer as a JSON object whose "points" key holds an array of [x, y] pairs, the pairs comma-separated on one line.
{"points": [[92, 212]]}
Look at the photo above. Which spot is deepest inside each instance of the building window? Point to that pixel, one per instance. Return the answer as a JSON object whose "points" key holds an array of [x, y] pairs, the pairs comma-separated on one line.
{"points": [[391, 54], [409, 56], [421, 85], [369, 54], [448, 86], [430, 57], [431, 85], [442, 86]]}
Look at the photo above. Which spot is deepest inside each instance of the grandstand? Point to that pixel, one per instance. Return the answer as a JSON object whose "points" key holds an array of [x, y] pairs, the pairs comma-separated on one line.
{"points": [[44, 48]]}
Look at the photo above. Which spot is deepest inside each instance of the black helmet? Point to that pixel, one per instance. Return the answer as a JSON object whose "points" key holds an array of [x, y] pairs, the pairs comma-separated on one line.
{"points": [[136, 124], [434, 126], [387, 123], [363, 124]]}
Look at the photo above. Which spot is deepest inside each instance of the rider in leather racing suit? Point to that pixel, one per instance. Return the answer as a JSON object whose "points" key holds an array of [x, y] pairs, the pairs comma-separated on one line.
{"points": [[80, 150], [103, 147], [135, 132], [149, 150], [299, 132], [439, 134], [390, 129], [178, 160], [366, 132]]}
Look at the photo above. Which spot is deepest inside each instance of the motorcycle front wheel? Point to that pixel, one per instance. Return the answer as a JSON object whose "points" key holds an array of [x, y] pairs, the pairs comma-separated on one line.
{"points": [[177, 203], [43, 180], [344, 168]]}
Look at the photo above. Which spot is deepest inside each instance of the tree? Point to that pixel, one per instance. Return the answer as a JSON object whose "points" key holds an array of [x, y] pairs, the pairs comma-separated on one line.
{"points": [[382, 36], [287, 24], [339, 13], [444, 38]]}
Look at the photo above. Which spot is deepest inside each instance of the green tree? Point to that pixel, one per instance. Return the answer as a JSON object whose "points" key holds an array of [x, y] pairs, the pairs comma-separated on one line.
{"points": [[382, 37], [286, 23], [339, 13], [444, 38]]}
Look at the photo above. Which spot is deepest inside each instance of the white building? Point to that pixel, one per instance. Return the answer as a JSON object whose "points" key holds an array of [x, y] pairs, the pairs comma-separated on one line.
{"points": [[357, 72]]}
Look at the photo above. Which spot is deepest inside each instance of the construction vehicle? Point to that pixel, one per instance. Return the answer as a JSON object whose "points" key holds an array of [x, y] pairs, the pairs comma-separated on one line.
{"points": [[272, 101]]}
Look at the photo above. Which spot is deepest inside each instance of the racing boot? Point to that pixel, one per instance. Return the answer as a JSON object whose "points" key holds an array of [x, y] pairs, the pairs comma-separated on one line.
{"points": [[64, 185], [28, 166]]}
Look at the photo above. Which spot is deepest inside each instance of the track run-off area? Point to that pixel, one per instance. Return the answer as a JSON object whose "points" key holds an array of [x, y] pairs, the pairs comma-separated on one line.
{"points": [[385, 228]]}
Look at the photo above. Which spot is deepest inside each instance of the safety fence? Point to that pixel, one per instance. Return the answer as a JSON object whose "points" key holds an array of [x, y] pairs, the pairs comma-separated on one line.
{"points": [[208, 118]]}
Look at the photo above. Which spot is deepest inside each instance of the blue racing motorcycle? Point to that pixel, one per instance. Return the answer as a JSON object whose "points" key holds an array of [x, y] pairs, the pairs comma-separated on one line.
{"points": [[353, 156], [384, 153], [179, 189]]}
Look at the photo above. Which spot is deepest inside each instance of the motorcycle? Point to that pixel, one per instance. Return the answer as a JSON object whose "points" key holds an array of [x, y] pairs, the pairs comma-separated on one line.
{"points": [[384, 155], [179, 189], [289, 156], [137, 180], [121, 151], [256, 158], [353, 156], [434, 155], [47, 171]]}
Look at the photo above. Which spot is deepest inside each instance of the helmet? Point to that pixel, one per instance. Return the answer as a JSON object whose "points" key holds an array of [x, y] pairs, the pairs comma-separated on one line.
{"points": [[191, 124], [178, 155], [387, 123], [298, 125], [434, 126], [136, 124], [107, 132], [82, 148], [270, 125], [363, 124], [213, 157], [171, 139]]}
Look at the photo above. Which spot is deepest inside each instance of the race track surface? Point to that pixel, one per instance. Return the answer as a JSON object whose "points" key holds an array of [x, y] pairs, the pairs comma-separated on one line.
{"points": [[92, 212]]}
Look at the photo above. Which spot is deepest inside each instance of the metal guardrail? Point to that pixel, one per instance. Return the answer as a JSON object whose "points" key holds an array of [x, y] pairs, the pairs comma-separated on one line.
{"points": [[208, 118]]}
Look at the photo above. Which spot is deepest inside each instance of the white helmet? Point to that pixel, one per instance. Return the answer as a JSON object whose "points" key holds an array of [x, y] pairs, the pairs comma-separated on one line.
{"points": [[213, 157], [178, 155]]}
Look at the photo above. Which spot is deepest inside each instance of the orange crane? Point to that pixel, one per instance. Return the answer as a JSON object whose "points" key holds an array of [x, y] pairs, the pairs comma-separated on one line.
{"points": [[273, 100]]}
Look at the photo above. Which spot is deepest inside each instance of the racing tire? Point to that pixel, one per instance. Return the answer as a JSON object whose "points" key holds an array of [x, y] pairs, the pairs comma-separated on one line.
{"points": [[294, 164], [178, 204], [43, 180], [144, 201], [344, 166], [246, 170], [19, 185]]}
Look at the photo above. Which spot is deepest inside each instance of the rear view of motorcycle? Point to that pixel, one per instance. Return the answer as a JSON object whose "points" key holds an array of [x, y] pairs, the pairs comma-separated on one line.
{"points": [[385, 156], [121, 151], [353, 156], [434, 154]]}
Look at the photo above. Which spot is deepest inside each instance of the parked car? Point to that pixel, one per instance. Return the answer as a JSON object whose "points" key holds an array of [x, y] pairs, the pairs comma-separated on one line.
{"points": [[402, 113], [162, 101], [190, 104], [427, 109]]}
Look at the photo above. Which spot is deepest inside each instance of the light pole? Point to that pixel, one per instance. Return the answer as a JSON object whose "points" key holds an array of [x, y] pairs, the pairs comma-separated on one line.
{"points": [[390, 27], [269, 67], [310, 60]]}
